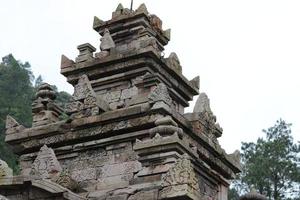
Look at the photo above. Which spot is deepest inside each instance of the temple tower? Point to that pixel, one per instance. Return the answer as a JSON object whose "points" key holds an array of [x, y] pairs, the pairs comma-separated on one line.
{"points": [[126, 136]]}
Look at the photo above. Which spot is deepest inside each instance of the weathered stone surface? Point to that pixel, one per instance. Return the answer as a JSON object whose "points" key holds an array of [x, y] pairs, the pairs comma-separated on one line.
{"points": [[44, 109], [46, 165], [118, 11], [65, 180], [181, 173], [85, 52], [129, 93], [167, 34], [202, 104], [85, 101], [12, 126], [11, 122], [142, 9], [97, 22], [160, 94], [174, 63], [156, 22], [145, 195], [119, 169], [66, 62], [195, 82], [5, 171], [206, 117], [107, 42]]}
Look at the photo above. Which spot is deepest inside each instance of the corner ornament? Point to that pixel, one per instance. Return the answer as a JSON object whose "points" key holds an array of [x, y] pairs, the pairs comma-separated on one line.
{"points": [[160, 95], [181, 173]]}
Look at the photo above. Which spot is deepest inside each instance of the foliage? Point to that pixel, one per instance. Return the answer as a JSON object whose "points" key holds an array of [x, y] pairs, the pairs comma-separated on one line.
{"points": [[271, 165], [16, 95], [233, 194]]}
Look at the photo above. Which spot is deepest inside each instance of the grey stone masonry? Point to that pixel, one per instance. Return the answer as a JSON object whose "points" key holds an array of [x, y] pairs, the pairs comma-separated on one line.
{"points": [[126, 135]]}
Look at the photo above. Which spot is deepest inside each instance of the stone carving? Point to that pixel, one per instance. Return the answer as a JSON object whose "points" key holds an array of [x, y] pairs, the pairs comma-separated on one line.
{"points": [[11, 122], [119, 8], [12, 126], [96, 155], [83, 89], [165, 126], [97, 22], [64, 179], [107, 42], [46, 165], [202, 107], [5, 171], [156, 23], [120, 11], [181, 173], [195, 82], [86, 51], [167, 34], [160, 94], [174, 63], [66, 62], [142, 9], [202, 104], [44, 109], [235, 157], [85, 101]]}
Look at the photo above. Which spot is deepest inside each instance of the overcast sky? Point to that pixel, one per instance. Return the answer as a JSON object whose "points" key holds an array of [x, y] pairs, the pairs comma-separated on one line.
{"points": [[247, 53]]}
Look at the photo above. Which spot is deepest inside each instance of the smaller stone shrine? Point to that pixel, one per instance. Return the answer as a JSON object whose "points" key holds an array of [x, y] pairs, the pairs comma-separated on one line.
{"points": [[126, 135]]}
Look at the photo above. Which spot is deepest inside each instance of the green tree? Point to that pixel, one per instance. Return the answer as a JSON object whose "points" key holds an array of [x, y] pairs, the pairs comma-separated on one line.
{"points": [[38, 81], [16, 93], [271, 165]]}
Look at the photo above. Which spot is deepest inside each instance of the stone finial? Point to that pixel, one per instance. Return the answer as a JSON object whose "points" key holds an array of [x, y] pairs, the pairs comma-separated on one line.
{"points": [[44, 109], [120, 7], [46, 165], [86, 51], [85, 101], [5, 171], [66, 62], [12, 126], [203, 110], [167, 34], [83, 88], [107, 42], [46, 92], [174, 63], [120, 11], [142, 9], [235, 157], [253, 195], [202, 104], [97, 22], [156, 23], [11, 122], [195, 82]]}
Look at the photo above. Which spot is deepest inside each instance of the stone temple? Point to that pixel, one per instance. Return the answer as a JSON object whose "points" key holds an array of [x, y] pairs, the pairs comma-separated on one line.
{"points": [[124, 135]]}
